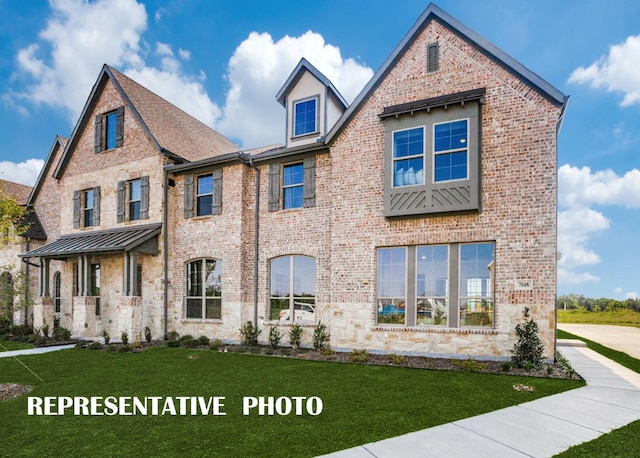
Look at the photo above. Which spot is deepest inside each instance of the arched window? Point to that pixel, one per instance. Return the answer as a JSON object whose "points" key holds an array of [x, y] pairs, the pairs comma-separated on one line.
{"points": [[57, 299], [204, 289], [293, 289]]}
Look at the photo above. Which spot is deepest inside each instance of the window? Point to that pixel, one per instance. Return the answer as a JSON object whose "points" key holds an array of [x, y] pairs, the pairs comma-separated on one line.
{"points": [[57, 297], [408, 157], [109, 130], [476, 280], [432, 155], [204, 289], [133, 199], [414, 285], [450, 151], [204, 195], [293, 289], [94, 285], [305, 117], [298, 187], [86, 207], [292, 185]]}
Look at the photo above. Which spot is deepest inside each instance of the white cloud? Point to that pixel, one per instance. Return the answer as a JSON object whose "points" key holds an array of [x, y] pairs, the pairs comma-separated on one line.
{"points": [[631, 295], [258, 69], [581, 187], [616, 72], [23, 172]]}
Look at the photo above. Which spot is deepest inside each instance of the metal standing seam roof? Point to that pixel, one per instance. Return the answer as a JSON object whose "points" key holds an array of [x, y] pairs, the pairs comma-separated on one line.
{"points": [[112, 240]]}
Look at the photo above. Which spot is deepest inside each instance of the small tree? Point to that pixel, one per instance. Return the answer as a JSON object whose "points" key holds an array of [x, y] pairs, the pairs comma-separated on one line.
{"points": [[14, 291], [12, 218], [528, 350]]}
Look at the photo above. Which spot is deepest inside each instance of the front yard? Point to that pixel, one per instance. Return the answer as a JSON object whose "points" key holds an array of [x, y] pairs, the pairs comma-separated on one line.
{"points": [[361, 403]]}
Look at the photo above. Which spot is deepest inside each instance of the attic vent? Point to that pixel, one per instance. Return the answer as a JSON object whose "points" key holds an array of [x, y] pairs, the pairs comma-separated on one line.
{"points": [[432, 57]]}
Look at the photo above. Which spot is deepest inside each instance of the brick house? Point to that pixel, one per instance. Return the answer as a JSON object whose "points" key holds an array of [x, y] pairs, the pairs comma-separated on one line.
{"points": [[419, 219]]}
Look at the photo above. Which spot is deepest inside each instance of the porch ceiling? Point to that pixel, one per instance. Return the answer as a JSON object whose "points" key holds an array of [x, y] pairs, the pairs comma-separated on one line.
{"points": [[112, 240]]}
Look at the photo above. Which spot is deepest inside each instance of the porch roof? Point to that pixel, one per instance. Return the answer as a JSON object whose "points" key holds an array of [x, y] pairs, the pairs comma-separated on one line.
{"points": [[112, 240]]}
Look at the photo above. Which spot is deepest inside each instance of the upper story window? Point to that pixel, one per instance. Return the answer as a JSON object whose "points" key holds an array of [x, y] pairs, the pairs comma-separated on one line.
{"points": [[293, 289], [450, 151], [414, 285], [432, 155], [305, 117], [408, 157], [204, 289], [133, 199], [109, 130], [292, 185], [203, 194], [86, 207]]}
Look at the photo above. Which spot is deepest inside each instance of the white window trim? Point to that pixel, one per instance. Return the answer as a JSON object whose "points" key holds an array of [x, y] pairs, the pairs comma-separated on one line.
{"points": [[434, 153], [316, 126]]}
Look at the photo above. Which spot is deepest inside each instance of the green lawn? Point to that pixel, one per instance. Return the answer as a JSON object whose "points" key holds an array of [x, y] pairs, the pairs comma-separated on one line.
{"points": [[361, 403], [623, 442], [617, 317], [9, 345]]}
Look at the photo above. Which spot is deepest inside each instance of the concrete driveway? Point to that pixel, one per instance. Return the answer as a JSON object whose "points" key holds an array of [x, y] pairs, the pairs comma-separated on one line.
{"points": [[621, 338]]}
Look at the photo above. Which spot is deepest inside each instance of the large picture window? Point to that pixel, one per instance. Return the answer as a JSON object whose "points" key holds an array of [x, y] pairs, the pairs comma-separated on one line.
{"points": [[414, 285], [293, 289], [204, 289]]}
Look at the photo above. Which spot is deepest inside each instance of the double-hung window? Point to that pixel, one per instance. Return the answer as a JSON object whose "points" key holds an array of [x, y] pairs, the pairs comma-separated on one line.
{"points": [[408, 157], [292, 185], [204, 289], [109, 130], [293, 289], [305, 117], [204, 195], [436, 285], [87, 207], [135, 196], [450, 151], [133, 199]]}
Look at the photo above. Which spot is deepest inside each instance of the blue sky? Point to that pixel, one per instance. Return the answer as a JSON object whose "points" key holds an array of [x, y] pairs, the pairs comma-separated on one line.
{"points": [[224, 61]]}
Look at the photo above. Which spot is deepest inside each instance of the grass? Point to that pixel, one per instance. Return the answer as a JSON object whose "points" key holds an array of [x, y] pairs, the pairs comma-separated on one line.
{"points": [[619, 443], [9, 345], [618, 317], [361, 403]]}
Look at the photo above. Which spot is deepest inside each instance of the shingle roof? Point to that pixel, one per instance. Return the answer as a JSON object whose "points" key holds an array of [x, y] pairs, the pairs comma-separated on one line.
{"points": [[114, 240], [172, 129], [19, 192]]}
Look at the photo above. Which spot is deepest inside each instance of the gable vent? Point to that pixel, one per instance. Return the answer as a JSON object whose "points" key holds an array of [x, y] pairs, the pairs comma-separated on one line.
{"points": [[432, 57]]}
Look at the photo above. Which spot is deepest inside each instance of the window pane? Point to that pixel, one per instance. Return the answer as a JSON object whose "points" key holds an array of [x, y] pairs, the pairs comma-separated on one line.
{"points": [[213, 309], [205, 184], [450, 136], [432, 285], [391, 311], [476, 284], [450, 166], [304, 309], [95, 279], [204, 205], [392, 272], [280, 277], [293, 197], [194, 278], [305, 117], [194, 308], [111, 131], [293, 174], [88, 199], [213, 278], [408, 142], [408, 172], [134, 210], [280, 309], [304, 276], [135, 192]]}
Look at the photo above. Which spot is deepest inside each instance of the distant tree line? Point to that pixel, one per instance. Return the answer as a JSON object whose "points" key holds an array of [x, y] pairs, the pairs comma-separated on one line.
{"points": [[578, 301]]}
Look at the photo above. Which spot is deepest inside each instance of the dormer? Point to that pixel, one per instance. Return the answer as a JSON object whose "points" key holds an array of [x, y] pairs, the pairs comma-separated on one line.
{"points": [[313, 105]]}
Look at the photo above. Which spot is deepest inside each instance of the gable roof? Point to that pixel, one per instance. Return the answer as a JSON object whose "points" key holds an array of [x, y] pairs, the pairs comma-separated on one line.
{"points": [[434, 13], [59, 143], [32, 228], [305, 66], [172, 131]]}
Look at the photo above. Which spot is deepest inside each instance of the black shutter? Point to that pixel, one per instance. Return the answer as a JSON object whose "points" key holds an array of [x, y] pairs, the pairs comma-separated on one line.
{"points": [[97, 138], [96, 206], [309, 181], [216, 198], [188, 196], [119, 126], [76, 209], [274, 187], [144, 197], [122, 187]]}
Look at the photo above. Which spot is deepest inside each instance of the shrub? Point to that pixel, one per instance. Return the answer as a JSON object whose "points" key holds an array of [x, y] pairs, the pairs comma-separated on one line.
{"points": [[203, 341], [124, 336], [106, 337], [359, 356], [250, 334], [395, 359], [187, 341], [216, 344], [274, 337], [295, 335], [320, 336], [528, 350], [147, 333], [470, 365], [45, 330], [173, 336]]}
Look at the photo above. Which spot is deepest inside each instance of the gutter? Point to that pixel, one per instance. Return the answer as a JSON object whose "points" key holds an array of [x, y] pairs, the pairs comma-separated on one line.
{"points": [[256, 235]]}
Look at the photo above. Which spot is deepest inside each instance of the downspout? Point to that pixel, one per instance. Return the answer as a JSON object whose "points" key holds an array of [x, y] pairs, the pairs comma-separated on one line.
{"points": [[26, 289], [165, 252], [256, 238]]}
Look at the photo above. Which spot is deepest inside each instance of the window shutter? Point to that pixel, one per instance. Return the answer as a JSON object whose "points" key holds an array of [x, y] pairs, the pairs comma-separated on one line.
{"points": [[144, 197], [216, 205], [309, 181], [76, 209], [122, 188], [97, 138], [119, 126], [96, 206], [274, 187], [188, 196]]}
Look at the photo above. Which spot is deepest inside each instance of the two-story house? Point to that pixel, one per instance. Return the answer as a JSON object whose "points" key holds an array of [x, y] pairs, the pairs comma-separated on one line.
{"points": [[420, 219]]}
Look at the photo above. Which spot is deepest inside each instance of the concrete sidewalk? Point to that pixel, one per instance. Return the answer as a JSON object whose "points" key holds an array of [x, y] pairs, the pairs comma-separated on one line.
{"points": [[622, 338], [34, 351], [540, 428]]}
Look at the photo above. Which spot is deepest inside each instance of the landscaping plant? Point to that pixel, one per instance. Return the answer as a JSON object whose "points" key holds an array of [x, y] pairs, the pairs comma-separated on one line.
{"points": [[528, 350]]}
